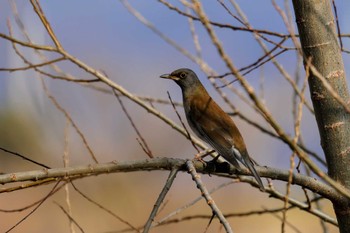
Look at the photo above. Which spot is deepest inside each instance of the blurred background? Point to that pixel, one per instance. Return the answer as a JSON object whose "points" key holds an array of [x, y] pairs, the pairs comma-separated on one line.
{"points": [[107, 37]]}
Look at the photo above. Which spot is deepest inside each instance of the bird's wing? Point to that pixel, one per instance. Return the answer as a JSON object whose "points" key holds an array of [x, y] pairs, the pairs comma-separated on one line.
{"points": [[213, 126]]}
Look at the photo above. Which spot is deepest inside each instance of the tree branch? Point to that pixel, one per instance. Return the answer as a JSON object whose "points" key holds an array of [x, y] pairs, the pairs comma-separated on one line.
{"points": [[168, 164]]}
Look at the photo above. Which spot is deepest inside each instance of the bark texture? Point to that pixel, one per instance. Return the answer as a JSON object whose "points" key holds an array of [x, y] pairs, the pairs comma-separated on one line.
{"points": [[319, 42]]}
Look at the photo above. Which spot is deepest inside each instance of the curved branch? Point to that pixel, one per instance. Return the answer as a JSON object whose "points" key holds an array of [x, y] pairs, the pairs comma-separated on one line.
{"points": [[310, 183]]}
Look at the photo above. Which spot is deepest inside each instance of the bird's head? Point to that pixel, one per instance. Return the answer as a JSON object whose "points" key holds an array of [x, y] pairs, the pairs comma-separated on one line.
{"points": [[184, 77]]}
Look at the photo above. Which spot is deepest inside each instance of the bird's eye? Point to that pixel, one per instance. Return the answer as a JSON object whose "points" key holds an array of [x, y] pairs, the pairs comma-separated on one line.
{"points": [[182, 75]]}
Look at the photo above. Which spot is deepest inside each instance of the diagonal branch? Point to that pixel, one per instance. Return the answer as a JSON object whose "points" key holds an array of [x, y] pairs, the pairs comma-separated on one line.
{"points": [[206, 195], [45, 22], [33, 65], [160, 199]]}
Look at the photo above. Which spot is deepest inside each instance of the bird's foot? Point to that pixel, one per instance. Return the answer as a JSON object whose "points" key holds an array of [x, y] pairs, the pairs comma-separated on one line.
{"points": [[212, 165], [215, 166], [199, 158], [202, 155]]}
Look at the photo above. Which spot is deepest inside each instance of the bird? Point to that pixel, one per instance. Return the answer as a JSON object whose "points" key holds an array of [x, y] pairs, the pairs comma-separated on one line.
{"points": [[210, 123]]}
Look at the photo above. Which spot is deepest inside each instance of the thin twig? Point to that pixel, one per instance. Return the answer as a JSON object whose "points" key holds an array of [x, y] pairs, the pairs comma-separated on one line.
{"points": [[26, 44], [302, 206], [66, 77], [89, 199], [143, 20], [288, 188], [182, 123], [297, 122], [45, 22], [32, 66], [143, 142], [274, 135], [271, 57], [24, 157], [194, 35], [71, 219], [63, 75], [191, 203], [278, 45], [160, 199], [206, 216], [220, 25], [208, 198], [337, 22], [287, 223], [66, 114], [27, 186], [262, 62], [30, 185], [52, 191]]}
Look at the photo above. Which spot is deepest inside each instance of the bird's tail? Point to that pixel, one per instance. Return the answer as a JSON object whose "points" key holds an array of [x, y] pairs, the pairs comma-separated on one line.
{"points": [[249, 164]]}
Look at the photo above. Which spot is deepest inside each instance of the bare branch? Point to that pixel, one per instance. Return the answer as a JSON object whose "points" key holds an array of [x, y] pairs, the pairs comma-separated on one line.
{"points": [[32, 66], [24, 157], [26, 44], [183, 124], [160, 199], [104, 208], [143, 142], [167, 163], [45, 22], [206, 195], [220, 25], [52, 191], [71, 219]]}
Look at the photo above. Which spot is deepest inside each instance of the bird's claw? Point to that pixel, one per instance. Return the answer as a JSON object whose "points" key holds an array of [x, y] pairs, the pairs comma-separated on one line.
{"points": [[199, 156], [215, 166]]}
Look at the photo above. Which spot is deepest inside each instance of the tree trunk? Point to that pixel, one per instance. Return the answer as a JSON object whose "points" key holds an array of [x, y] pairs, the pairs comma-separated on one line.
{"points": [[319, 42]]}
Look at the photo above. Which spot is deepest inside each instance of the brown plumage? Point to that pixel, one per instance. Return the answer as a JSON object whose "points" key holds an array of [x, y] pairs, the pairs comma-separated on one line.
{"points": [[210, 123]]}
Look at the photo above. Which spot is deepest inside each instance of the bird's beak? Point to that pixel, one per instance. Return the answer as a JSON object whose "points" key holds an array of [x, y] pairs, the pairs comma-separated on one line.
{"points": [[169, 76]]}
